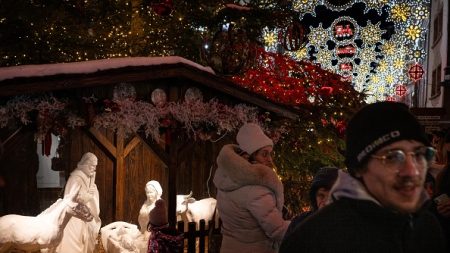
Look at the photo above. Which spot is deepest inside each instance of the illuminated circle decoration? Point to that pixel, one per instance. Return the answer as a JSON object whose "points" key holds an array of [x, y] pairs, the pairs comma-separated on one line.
{"points": [[344, 30], [124, 91], [193, 94], [416, 72], [400, 90], [159, 97]]}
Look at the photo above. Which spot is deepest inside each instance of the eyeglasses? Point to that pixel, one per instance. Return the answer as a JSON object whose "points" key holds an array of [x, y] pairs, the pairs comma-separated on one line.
{"points": [[396, 158]]}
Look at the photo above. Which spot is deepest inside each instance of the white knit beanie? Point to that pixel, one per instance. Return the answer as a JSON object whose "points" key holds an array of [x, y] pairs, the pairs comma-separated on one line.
{"points": [[251, 138]]}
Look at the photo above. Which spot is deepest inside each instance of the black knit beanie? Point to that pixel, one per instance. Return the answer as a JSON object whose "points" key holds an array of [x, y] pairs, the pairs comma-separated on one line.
{"points": [[376, 126]]}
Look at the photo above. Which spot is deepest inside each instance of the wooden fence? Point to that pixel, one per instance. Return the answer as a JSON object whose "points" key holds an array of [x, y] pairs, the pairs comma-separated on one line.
{"points": [[205, 239]]}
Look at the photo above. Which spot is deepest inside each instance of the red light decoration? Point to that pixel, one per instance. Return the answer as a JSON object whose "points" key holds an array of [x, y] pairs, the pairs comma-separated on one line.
{"points": [[346, 66], [416, 72], [400, 90], [348, 49], [343, 30], [391, 98], [286, 81]]}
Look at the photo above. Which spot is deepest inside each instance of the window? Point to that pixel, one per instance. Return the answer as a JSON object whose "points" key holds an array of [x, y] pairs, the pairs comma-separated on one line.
{"points": [[436, 82], [437, 27]]}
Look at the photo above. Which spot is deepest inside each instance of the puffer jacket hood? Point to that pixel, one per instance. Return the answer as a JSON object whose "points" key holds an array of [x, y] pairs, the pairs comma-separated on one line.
{"points": [[234, 172]]}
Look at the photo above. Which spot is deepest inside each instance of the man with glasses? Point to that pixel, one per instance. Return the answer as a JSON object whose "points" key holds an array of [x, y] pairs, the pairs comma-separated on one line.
{"points": [[378, 205]]}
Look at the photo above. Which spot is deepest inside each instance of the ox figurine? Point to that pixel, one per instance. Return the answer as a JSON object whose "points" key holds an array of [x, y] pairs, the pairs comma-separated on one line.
{"points": [[44, 231], [191, 210]]}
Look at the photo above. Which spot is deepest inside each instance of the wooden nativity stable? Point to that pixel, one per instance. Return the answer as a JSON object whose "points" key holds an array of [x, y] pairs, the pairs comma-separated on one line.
{"points": [[181, 159]]}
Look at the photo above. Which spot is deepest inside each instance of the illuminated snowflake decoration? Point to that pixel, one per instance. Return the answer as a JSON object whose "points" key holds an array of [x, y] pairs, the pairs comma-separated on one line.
{"points": [[368, 54], [318, 37], [413, 32], [324, 56], [418, 54], [375, 79], [363, 70], [300, 54], [371, 34], [304, 6], [398, 64], [421, 12], [270, 38], [400, 12], [382, 66], [388, 48], [375, 5], [390, 79]]}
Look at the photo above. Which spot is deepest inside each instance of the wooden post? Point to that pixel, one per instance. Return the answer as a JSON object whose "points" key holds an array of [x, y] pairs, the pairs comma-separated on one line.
{"points": [[172, 166], [120, 174]]}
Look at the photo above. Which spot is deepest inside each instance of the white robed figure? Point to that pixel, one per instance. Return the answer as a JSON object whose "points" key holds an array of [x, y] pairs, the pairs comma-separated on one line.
{"points": [[80, 236], [153, 191]]}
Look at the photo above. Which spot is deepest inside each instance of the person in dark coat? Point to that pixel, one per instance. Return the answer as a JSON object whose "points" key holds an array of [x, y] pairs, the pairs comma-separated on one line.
{"points": [[378, 205], [441, 203], [163, 238], [318, 194]]}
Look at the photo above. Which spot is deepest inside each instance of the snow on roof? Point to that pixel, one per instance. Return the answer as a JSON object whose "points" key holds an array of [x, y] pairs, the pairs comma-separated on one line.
{"points": [[91, 66]]}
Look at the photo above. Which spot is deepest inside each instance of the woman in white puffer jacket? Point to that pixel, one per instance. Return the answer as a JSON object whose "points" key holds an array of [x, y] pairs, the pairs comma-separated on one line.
{"points": [[250, 194]]}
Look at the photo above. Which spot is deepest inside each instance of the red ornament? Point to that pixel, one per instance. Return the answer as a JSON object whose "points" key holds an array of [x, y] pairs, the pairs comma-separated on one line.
{"points": [[326, 90], [416, 72], [162, 8], [400, 90], [294, 37]]}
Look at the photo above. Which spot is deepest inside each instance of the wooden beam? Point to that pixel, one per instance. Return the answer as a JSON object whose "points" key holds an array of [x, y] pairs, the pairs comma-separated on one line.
{"points": [[104, 141], [131, 145]]}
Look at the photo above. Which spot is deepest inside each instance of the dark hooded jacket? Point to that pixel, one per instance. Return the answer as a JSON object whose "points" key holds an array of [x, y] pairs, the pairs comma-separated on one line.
{"points": [[356, 222], [324, 178]]}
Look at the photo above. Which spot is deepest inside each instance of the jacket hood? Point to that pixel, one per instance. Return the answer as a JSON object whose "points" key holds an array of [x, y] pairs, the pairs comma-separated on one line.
{"points": [[347, 186], [234, 172]]}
